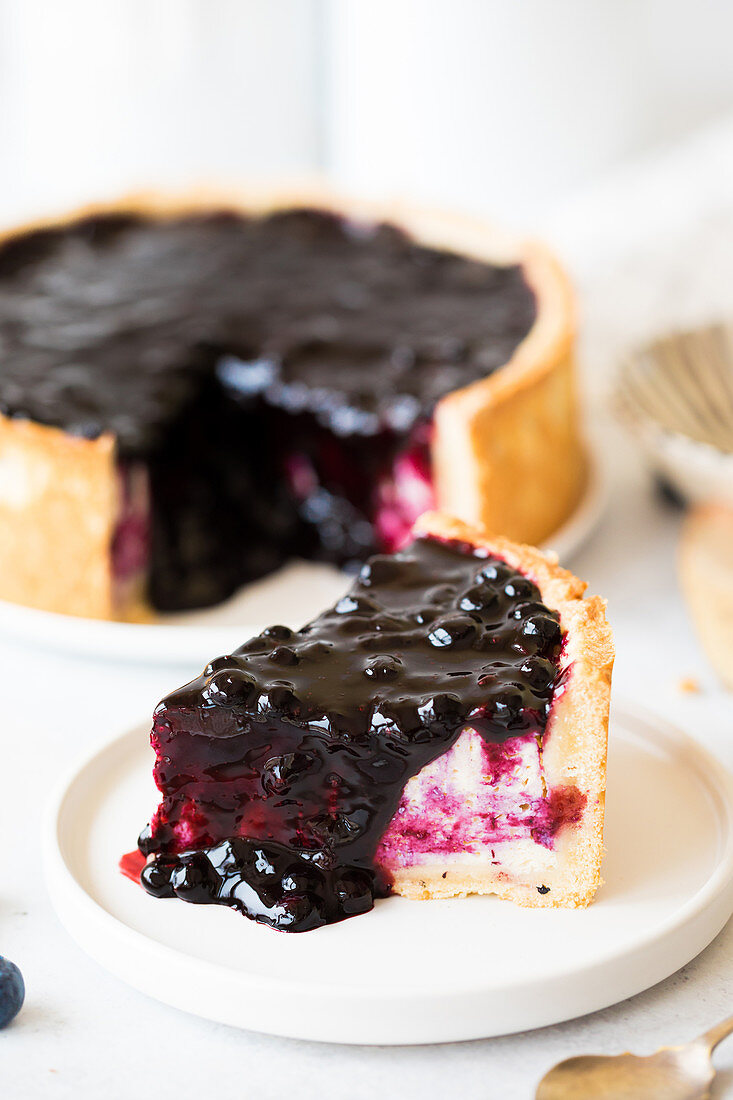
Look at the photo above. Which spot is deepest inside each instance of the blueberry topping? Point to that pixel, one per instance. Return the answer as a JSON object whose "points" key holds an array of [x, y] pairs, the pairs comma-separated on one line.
{"points": [[454, 630], [378, 570], [383, 668], [284, 700], [354, 603], [280, 771], [519, 588], [266, 883], [284, 655], [145, 841], [355, 892], [230, 687], [316, 732], [477, 598], [278, 633], [156, 878], [217, 664], [192, 879], [495, 571], [267, 372], [314, 651], [544, 629], [539, 673]]}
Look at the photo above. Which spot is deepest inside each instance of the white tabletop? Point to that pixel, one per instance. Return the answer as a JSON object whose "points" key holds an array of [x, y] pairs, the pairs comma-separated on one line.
{"points": [[84, 1034]]}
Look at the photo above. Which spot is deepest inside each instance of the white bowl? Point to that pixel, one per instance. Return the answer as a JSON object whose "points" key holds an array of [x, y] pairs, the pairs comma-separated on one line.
{"points": [[676, 394]]}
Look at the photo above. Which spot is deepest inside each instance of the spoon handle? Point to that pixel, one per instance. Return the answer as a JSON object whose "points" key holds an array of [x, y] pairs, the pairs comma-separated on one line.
{"points": [[718, 1033]]}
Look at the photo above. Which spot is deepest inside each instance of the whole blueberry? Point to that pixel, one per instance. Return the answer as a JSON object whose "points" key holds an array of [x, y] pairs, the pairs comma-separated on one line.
{"points": [[452, 631], [284, 655], [477, 598], [355, 892], [383, 667], [519, 588], [543, 630], [12, 991], [229, 687], [155, 877]]}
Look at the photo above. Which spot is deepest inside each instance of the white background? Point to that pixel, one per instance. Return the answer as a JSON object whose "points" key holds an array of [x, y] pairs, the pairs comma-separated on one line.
{"points": [[505, 106], [592, 121]]}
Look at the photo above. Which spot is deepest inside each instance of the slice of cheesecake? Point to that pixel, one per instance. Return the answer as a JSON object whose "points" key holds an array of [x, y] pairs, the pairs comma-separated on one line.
{"points": [[440, 731]]}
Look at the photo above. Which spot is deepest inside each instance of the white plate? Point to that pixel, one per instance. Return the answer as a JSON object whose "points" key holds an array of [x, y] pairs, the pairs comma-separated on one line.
{"points": [[412, 972], [292, 595]]}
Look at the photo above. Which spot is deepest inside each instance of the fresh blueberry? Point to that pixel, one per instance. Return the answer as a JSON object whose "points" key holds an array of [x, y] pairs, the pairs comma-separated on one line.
{"points": [[284, 655], [381, 569], [355, 892], [383, 667], [12, 991], [194, 879], [155, 877], [453, 630], [519, 588], [277, 633], [544, 630], [477, 598], [229, 687]]}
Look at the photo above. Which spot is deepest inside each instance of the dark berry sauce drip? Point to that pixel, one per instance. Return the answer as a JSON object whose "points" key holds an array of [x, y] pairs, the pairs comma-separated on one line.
{"points": [[283, 764], [268, 371]]}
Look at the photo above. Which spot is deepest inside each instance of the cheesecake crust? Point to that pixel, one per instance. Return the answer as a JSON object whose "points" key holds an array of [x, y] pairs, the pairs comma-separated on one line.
{"points": [[574, 744], [706, 575], [58, 505], [507, 452]]}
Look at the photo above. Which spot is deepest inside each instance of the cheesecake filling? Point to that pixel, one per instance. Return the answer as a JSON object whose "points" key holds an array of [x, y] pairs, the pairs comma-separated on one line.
{"points": [[403, 726], [275, 376], [131, 537], [480, 799]]}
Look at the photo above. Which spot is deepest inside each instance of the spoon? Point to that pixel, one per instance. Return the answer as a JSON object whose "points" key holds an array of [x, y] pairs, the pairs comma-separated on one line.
{"points": [[675, 1073]]}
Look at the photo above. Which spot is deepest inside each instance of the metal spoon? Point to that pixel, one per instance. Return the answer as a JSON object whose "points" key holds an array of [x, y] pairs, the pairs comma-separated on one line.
{"points": [[675, 1073]]}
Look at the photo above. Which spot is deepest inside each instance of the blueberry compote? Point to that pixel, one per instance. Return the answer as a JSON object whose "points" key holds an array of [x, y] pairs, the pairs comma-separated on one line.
{"points": [[276, 375], [282, 765]]}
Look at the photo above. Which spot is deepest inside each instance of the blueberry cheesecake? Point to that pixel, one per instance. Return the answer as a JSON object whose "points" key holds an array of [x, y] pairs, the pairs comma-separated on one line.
{"points": [[440, 731], [193, 392]]}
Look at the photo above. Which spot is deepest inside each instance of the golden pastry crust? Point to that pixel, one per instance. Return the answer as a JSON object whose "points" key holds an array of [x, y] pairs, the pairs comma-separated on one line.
{"points": [[507, 450], [706, 574], [58, 505], [574, 745]]}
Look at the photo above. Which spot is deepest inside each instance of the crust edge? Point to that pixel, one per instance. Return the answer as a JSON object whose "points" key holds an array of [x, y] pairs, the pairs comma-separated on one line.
{"points": [[575, 743]]}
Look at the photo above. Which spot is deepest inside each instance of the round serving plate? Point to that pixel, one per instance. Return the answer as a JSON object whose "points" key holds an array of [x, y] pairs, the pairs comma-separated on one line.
{"points": [[409, 971], [293, 595]]}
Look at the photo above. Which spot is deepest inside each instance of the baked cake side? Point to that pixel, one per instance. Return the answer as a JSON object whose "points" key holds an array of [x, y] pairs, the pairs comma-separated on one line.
{"points": [[520, 426], [58, 509]]}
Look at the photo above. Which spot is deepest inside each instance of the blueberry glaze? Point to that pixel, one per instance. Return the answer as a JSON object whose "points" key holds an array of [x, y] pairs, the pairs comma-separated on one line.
{"points": [[266, 370], [282, 765], [111, 322]]}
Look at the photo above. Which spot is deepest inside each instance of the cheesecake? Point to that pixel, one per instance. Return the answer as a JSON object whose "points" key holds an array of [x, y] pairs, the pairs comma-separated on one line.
{"points": [[440, 731], [194, 391]]}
